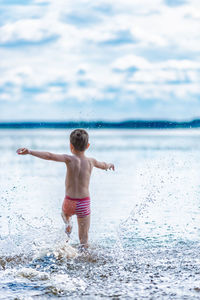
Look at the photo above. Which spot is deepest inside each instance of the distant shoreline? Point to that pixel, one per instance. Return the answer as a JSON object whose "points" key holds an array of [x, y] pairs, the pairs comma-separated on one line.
{"points": [[130, 124]]}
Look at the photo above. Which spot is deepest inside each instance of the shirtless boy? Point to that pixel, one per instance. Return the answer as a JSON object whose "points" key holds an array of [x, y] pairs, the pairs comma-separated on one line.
{"points": [[79, 168]]}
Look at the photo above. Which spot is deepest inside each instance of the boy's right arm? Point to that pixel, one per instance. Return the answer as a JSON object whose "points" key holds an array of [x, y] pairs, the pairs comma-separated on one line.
{"points": [[45, 155], [102, 165]]}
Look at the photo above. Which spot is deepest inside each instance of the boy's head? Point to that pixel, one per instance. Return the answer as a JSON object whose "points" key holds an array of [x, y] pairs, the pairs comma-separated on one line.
{"points": [[79, 139]]}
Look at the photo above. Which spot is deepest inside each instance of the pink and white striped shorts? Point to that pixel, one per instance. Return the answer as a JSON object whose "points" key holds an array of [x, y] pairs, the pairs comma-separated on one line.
{"points": [[75, 206]]}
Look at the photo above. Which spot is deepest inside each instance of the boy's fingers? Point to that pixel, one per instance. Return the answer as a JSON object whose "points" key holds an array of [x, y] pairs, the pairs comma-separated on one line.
{"points": [[112, 167], [21, 150]]}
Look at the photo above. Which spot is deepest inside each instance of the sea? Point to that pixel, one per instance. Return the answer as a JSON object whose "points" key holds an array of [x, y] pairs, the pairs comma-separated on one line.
{"points": [[145, 217]]}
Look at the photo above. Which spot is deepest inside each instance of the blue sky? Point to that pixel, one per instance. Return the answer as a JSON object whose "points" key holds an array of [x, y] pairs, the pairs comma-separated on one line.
{"points": [[113, 60]]}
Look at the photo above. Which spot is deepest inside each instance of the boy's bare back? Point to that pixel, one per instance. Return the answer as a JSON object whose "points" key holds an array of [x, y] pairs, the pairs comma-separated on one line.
{"points": [[77, 179], [79, 169]]}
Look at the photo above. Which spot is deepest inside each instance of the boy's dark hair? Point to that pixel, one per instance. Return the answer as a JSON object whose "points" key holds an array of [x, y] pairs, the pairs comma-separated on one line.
{"points": [[79, 139]]}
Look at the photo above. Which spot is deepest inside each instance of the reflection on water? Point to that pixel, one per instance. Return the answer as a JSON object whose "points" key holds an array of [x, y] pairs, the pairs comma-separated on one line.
{"points": [[144, 234]]}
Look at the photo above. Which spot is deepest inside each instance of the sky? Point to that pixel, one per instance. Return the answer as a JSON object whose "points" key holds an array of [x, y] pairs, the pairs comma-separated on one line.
{"points": [[107, 60]]}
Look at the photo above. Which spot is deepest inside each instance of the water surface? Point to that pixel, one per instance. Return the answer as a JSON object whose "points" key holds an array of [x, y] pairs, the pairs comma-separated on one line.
{"points": [[144, 236]]}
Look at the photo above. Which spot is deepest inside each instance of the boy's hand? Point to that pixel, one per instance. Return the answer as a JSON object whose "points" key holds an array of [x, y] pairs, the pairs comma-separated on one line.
{"points": [[23, 151], [111, 167]]}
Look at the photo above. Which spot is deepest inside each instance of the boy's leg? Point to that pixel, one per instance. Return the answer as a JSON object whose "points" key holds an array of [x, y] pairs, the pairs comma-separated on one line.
{"points": [[67, 221], [83, 228]]}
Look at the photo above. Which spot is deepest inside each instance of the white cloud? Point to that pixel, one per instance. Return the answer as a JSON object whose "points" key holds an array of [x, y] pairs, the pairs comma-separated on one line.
{"points": [[53, 94], [30, 30], [125, 62]]}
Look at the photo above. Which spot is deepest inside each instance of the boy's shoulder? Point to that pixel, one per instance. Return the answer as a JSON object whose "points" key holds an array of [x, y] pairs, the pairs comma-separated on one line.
{"points": [[92, 160], [74, 158]]}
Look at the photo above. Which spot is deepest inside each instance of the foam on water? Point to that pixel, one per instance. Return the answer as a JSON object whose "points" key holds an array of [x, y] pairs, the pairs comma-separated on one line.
{"points": [[144, 235]]}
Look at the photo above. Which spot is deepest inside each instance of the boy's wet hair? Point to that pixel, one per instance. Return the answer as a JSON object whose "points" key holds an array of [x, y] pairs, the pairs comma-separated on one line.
{"points": [[79, 139]]}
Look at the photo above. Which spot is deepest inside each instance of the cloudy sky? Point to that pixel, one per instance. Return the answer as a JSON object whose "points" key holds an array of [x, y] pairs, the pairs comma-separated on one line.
{"points": [[86, 59]]}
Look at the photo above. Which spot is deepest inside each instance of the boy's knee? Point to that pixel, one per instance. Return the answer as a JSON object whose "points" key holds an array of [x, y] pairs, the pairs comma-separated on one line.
{"points": [[65, 217]]}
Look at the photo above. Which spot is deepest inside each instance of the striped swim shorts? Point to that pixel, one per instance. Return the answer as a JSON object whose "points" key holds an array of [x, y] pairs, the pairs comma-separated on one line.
{"points": [[75, 206]]}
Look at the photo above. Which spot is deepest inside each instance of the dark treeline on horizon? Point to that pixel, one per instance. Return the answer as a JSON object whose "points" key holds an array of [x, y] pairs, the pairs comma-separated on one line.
{"points": [[130, 124]]}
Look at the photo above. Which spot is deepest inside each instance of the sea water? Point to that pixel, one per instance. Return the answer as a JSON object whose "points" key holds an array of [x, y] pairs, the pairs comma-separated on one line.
{"points": [[144, 236]]}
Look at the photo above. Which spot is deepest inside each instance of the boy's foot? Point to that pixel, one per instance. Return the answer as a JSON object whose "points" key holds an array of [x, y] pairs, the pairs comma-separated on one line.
{"points": [[83, 248]]}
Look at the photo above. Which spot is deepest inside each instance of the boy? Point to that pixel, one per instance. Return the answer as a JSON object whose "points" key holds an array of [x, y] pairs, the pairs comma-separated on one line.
{"points": [[79, 168]]}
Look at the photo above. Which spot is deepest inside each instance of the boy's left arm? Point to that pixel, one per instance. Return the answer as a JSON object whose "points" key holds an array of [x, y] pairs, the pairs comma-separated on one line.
{"points": [[45, 155], [102, 165]]}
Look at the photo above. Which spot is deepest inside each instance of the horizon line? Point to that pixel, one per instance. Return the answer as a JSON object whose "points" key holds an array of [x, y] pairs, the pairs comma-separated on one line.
{"points": [[98, 124]]}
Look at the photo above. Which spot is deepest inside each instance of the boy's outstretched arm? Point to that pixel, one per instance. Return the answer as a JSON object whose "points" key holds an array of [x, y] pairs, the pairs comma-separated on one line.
{"points": [[45, 155], [102, 165]]}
